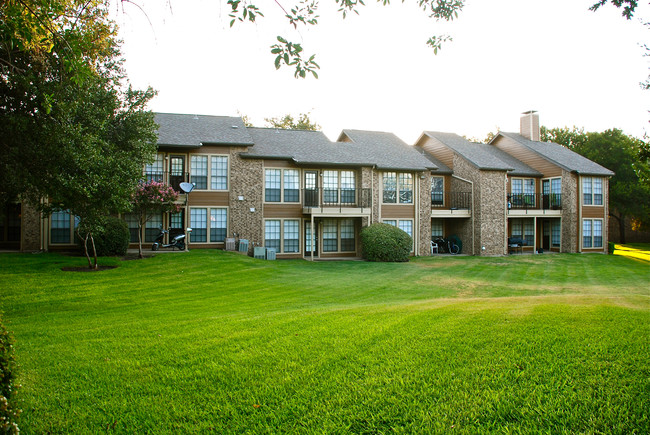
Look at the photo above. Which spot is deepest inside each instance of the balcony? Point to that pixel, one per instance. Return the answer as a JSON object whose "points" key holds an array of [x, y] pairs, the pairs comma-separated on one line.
{"points": [[532, 203], [353, 202], [451, 204], [174, 179]]}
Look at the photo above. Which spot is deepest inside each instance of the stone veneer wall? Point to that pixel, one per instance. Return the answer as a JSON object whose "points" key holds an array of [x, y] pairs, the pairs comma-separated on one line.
{"points": [[366, 183], [570, 198], [424, 196], [489, 207], [31, 223], [247, 180]]}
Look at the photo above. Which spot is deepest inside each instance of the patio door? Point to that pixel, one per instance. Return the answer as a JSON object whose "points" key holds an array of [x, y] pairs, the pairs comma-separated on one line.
{"points": [[311, 188], [176, 171], [308, 239], [546, 235]]}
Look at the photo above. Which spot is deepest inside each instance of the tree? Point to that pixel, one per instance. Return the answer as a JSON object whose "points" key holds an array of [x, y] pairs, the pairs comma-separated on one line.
{"points": [[72, 131], [629, 188], [302, 123], [150, 198], [305, 13]]}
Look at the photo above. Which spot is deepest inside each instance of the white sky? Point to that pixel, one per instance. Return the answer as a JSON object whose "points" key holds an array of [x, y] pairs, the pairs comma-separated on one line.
{"points": [[574, 66]]}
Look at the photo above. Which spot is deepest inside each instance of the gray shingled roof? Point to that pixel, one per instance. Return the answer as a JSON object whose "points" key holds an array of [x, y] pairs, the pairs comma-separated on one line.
{"points": [[561, 156], [442, 168], [386, 151], [192, 131]]}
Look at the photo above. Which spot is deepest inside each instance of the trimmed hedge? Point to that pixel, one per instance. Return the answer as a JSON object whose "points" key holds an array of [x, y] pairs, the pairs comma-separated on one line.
{"points": [[383, 242], [113, 241], [8, 414]]}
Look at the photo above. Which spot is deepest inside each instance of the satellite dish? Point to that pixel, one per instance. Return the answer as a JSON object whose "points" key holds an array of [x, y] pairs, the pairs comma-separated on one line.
{"points": [[187, 187]]}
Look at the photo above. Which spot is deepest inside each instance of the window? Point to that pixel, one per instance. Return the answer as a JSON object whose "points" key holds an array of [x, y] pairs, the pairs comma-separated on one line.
{"points": [[555, 234], [437, 229], [60, 231], [592, 191], [152, 228], [291, 236], [132, 222], [199, 225], [291, 185], [330, 187], [523, 229], [308, 237], [398, 182], [199, 172], [154, 171], [523, 191], [347, 235], [405, 225], [330, 235], [437, 191], [272, 186], [272, 234], [218, 224], [592, 233], [219, 172], [348, 187]]}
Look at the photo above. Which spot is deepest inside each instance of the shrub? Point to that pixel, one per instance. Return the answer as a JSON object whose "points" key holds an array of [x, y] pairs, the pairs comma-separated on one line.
{"points": [[8, 414], [113, 240], [383, 242], [610, 247]]}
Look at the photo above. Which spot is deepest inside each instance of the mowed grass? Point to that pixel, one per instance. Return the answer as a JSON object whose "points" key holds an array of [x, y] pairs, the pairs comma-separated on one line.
{"points": [[213, 341]]}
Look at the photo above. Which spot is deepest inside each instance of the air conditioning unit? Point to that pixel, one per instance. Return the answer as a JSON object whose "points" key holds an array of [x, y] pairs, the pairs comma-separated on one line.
{"points": [[243, 246], [259, 252], [230, 244], [270, 253]]}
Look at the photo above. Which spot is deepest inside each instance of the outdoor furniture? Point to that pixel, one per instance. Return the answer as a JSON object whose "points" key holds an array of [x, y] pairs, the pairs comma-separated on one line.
{"points": [[516, 245], [434, 248]]}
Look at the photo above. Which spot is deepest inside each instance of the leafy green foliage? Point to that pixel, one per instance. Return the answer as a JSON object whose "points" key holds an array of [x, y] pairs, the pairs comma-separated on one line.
{"points": [[383, 242], [112, 239], [8, 412], [629, 6], [288, 122], [290, 54]]}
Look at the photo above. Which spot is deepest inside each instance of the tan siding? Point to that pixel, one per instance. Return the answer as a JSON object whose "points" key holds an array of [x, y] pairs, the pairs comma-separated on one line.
{"points": [[278, 164], [391, 211], [282, 211], [529, 157], [206, 198], [211, 149], [438, 150], [591, 212]]}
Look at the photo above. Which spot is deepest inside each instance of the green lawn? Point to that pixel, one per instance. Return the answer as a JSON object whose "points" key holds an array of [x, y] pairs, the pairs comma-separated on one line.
{"points": [[213, 341]]}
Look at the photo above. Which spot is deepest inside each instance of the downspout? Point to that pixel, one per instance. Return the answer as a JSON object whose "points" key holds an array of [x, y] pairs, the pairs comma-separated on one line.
{"points": [[472, 205]]}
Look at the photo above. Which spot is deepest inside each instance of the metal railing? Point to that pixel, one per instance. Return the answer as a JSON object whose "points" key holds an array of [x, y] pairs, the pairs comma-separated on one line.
{"points": [[174, 179], [535, 201], [451, 200], [341, 198]]}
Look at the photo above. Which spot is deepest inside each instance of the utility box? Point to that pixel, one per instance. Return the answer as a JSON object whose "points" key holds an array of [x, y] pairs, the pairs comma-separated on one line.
{"points": [[243, 246], [259, 252], [270, 253], [230, 244]]}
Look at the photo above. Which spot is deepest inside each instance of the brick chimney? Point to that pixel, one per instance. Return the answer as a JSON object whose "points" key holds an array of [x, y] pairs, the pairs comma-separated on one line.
{"points": [[529, 125]]}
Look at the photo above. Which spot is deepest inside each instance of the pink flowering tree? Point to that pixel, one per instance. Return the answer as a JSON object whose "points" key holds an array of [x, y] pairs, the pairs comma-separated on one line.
{"points": [[150, 198]]}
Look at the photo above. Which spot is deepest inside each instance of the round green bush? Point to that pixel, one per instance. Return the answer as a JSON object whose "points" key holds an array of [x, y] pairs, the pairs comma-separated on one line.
{"points": [[113, 240], [383, 242]]}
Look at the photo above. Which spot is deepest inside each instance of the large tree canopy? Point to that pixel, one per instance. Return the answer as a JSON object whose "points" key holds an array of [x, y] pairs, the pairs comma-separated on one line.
{"points": [[71, 129]]}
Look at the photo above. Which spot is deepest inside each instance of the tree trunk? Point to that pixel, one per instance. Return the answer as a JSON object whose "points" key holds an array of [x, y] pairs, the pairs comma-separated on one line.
{"points": [[85, 239], [621, 227], [92, 241], [140, 225]]}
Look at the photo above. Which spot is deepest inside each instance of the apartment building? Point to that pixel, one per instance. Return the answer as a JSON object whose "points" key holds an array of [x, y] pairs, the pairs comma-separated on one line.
{"points": [[305, 196]]}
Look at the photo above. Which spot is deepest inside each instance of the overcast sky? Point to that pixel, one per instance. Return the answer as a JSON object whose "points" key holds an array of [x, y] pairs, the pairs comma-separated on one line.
{"points": [[574, 66]]}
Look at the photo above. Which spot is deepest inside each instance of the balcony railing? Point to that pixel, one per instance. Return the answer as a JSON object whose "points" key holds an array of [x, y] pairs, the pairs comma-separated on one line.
{"points": [[451, 200], [317, 197], [174, 179], [535, 201]]}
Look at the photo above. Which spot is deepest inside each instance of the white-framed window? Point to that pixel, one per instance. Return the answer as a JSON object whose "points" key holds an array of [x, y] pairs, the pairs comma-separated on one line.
{"points": [[437, 229], [283, 235], [523, 229], [152, 227], [339, 235], [209, 224], [199, 172], [348, 235], [592, 191], [154, 171], [592, 233], [330, 235], [437, 191], [339, 187], [348, 187], [523, 191], [281, 185], [219, 172], [62, 227], [398, 182], [330, 187], [552, 192]]}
